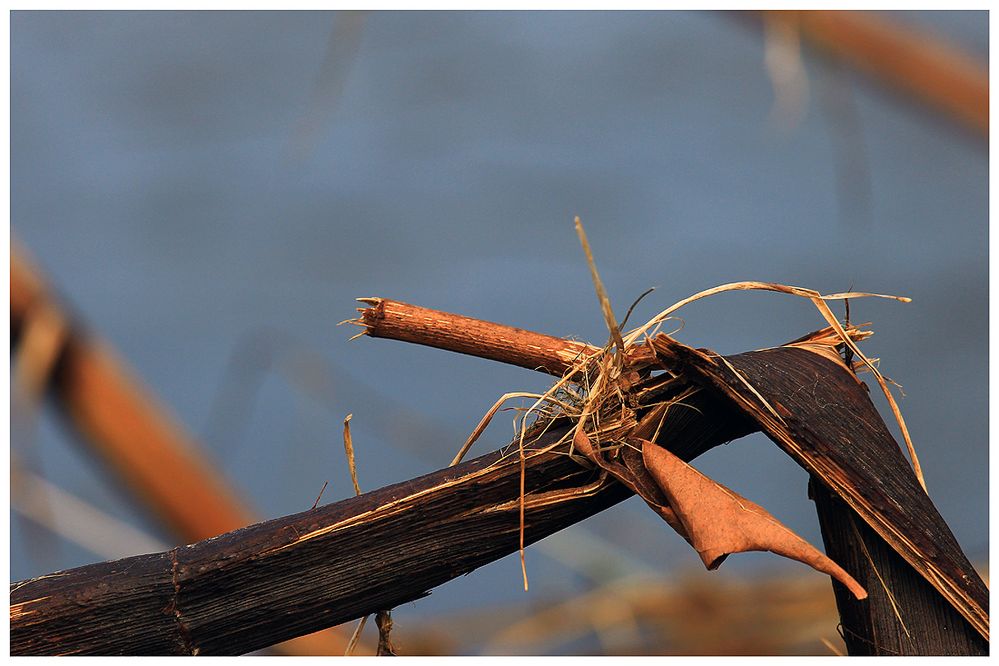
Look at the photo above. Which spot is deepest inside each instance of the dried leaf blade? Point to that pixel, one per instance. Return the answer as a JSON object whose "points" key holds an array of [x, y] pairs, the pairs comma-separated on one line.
{"points": [[720, 522]]}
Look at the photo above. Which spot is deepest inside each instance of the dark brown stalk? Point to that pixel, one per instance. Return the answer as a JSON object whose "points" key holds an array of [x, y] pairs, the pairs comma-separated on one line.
{"points": [[293, 575], [903, 614], [286, 577]]}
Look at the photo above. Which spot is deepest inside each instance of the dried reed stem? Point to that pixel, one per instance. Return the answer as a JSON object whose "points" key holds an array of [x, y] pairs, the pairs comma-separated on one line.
{"points": [[451, 332], [384, 318]]}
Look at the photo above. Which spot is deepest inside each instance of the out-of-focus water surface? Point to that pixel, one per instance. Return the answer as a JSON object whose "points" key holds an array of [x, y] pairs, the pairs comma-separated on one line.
{"points": [[211, 197]]}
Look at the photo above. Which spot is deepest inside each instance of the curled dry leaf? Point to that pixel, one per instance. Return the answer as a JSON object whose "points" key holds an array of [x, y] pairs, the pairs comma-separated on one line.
{"points": [[718, 521]]}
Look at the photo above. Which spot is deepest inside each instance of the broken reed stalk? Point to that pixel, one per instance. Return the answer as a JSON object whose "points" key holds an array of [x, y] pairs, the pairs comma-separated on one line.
{"points": [[286, 577], [396, 320]]}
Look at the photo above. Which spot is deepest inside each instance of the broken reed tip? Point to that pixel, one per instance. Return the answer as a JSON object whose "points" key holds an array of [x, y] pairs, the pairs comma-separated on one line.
{"points": [[369, 301], [355, 322]]}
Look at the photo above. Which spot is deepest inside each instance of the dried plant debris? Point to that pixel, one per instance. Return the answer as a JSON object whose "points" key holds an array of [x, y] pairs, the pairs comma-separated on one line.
{"points": [[355, 636], [823, 417], [727, 524], [614, 393], [383, 619], [348, 449], [719, 522], [385, 647], [713, 519], [642, 384]]}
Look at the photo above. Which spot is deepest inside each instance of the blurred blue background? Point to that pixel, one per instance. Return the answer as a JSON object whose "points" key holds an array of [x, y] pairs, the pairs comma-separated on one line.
{"points": [[211, 191]]}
